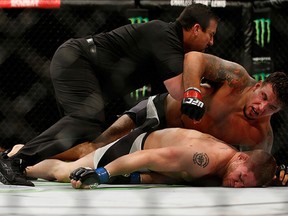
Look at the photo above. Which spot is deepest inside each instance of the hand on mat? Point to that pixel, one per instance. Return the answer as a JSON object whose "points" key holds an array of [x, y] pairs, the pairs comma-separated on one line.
{"points": [[281, 176], [85, 178]]}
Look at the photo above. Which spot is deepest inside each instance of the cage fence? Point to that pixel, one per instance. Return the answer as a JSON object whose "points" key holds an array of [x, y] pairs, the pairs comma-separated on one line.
{"points": [[252, 33]]}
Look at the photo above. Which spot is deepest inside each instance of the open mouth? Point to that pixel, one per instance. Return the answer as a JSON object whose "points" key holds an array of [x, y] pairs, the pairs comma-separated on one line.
{"points": [[255, 112], [248, 116]]}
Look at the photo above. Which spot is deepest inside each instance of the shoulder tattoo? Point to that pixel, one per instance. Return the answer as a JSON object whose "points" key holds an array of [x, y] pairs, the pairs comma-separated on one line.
{"points": [[201, 159], [233, 73]]}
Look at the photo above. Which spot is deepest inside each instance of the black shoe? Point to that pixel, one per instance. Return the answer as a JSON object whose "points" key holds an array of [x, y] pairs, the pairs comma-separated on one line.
{"points": [[4, 154], [12, 173]]}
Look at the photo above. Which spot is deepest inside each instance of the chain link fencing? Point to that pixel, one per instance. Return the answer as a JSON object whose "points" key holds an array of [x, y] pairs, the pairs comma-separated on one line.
{"points": [[29, 38]]}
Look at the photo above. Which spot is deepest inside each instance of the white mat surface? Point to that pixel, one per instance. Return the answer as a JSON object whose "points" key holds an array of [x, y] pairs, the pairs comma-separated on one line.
{"points": [[50, 198]]}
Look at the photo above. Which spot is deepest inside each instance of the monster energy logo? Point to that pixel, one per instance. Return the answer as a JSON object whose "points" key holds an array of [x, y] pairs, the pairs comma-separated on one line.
{"points": [[260, 76], [262, 26], [142, 92], [139, 19]]}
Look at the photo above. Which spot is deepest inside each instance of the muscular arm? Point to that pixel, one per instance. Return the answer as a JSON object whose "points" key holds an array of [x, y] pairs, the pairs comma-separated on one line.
{"points": [[177, 161], [198, 65], [175, 87], [267, 142], [161, 159]]}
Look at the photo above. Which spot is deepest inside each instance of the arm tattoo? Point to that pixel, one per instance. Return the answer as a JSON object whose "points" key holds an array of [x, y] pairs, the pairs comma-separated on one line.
{"points": [[220, 70], [201, 159]]}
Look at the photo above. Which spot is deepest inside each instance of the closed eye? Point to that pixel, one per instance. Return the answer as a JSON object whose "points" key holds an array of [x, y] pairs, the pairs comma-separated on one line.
{"points": [[264, 96], [240, 178]]}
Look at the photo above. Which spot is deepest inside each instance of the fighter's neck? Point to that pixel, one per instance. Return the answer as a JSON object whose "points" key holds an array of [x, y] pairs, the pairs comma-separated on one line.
{"points": [[243, 97], [225, 160]]}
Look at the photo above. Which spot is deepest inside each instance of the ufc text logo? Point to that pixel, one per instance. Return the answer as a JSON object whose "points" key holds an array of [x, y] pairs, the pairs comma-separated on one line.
{"points": [[194, 101]]}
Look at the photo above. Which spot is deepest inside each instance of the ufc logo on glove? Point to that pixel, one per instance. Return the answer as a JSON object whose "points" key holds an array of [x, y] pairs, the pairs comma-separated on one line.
{"points": [[193, 101]]}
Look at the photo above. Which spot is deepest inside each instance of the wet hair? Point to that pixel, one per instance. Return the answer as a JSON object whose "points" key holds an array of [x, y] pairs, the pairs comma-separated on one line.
{"points": [[279, 82], [197, 13], [263, 165]]}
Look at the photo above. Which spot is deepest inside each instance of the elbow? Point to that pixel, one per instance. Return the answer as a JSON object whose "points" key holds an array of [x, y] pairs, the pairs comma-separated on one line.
{"points": [[175, 87], [193, 55]]}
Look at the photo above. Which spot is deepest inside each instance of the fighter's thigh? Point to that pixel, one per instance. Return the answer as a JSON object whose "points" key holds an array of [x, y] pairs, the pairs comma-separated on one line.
{"points": [[77, 152]]}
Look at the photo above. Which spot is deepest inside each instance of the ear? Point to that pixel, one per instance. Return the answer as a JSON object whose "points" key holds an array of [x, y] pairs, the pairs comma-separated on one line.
{"points": [[242, 156], [196, 28], [257, 85]]}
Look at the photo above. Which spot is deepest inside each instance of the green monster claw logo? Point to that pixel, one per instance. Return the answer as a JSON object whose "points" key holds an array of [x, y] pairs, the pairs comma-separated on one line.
{"points": [[139, 19], [262, 26], [137, 94], [261, 76]]}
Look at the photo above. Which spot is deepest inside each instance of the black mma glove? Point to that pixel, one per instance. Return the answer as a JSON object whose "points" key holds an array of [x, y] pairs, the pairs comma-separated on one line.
{"points": [[192, 104], [100, 175], [280, 168], [90, 176]]}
